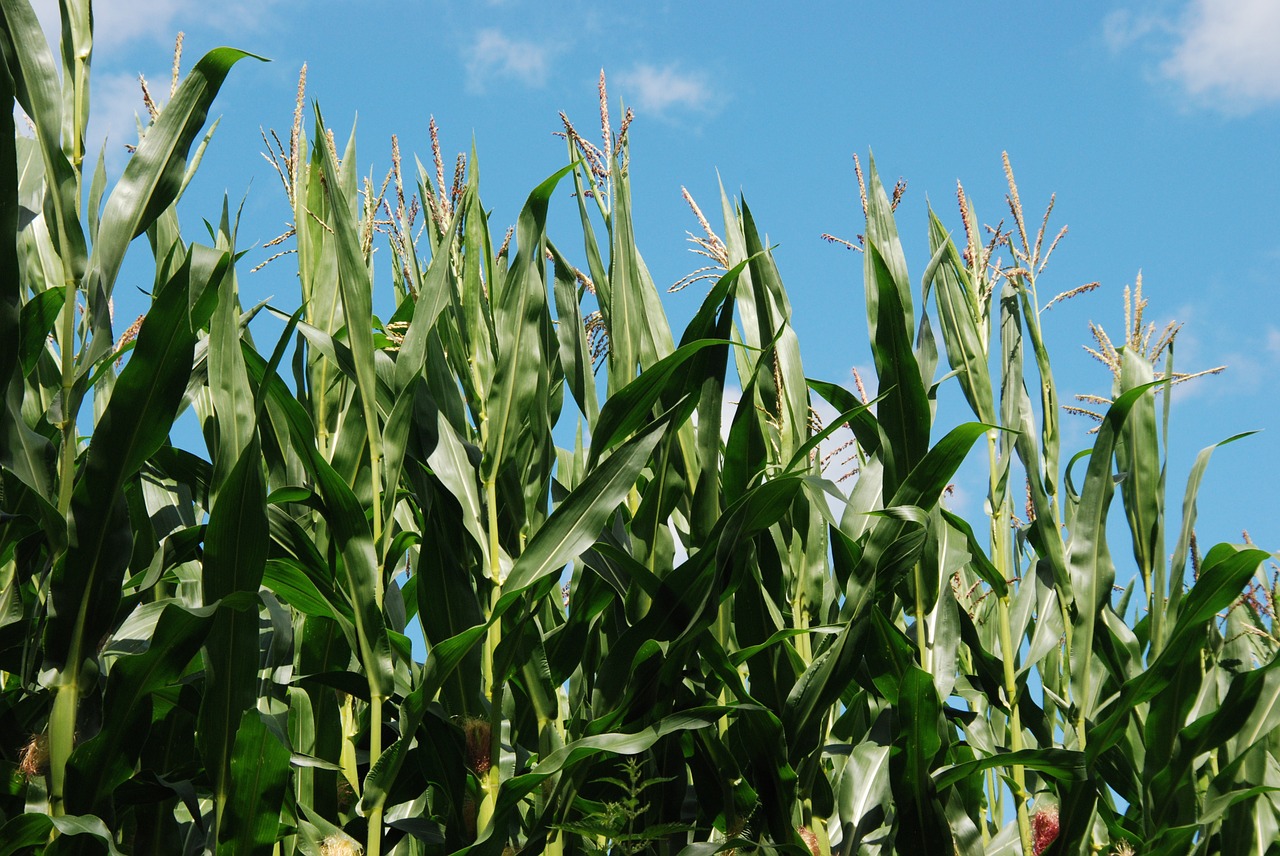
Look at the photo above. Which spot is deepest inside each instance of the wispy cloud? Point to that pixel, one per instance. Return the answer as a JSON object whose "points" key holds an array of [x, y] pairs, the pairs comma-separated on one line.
{"points": [[1273, 343], [1220, 53], [1123, 28], [1228, 51], [495, 55], [658, 90], [117, 106], [117, 24]]}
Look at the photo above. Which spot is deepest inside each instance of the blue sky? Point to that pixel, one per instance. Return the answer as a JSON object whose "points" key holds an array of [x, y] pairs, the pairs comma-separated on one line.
{"points": [[1155, 121]]}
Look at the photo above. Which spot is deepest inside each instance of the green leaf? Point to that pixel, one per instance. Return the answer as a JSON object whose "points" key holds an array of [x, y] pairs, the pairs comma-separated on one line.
{"points": [[287, 579], [1060, 764], [821, 683], [346, 518], [236, 543], [631, 407], [1089, 560], [26, 831], [86, 584], [904, 412], [847, 418], [31, 457], [36, 87], [153, 177], [1178, 563], [980, 563], [567, 757], [919, 739], [518, 315], [575, 349], [229, 388], [1224, 573], [577, 521], [1138, 460], [11, 290], [862, 423], [38, 317], [922, 488], [103, 763], [260, 773], [960, 319]]}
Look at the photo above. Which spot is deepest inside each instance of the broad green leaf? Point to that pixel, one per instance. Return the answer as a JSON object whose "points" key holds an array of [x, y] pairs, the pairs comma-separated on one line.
{"points": [[356, 287], [11, 291], [786, 379], [518, 313], [1056, 763], [30, 457], [862, 789], [922, 488], [451, 464], [236, 543], [577, 521], [104, 762], [228, 380], [960, 319], [433, 297], [22, 833], [86, 584], [1090, 564], [353, 539], [153, 176], [575, 350], [632, 407], [37, 320], [287, 579], [260, 772], [36, 87], [1224, 574], [882, 235], [1138, 461], [920, 739], [1178, 563], [904, 412], [30, 831], [517, 788], [820, 685], [861, 423], [981, 564]]}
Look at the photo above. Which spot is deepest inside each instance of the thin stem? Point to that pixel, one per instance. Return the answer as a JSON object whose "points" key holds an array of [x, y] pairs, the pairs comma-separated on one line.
{"points": [[62, 729], [493, 637], [1001, 554], [1068, 689], [373, 846], [922, 636], [67, 466], [1015, 724]]}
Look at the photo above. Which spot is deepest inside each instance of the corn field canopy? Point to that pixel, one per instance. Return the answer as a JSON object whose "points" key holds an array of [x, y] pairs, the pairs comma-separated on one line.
{"points": [[676, 596]]}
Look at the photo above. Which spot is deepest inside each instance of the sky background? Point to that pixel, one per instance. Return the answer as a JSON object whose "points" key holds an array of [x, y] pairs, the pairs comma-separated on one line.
{"points": [[1155, 123]]}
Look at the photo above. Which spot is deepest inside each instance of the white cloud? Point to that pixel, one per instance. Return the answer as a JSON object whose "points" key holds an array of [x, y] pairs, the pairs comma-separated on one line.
{"points": [[1220, 53], [657, 90], [493, 54], [1123, 28], [137, 36], [120, 23], [1273, 342], [1228, 49], [116, 24]]}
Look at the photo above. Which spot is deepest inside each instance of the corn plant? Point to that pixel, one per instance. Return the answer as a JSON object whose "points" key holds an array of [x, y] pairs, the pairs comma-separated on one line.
{"points": [[657, 617]]}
